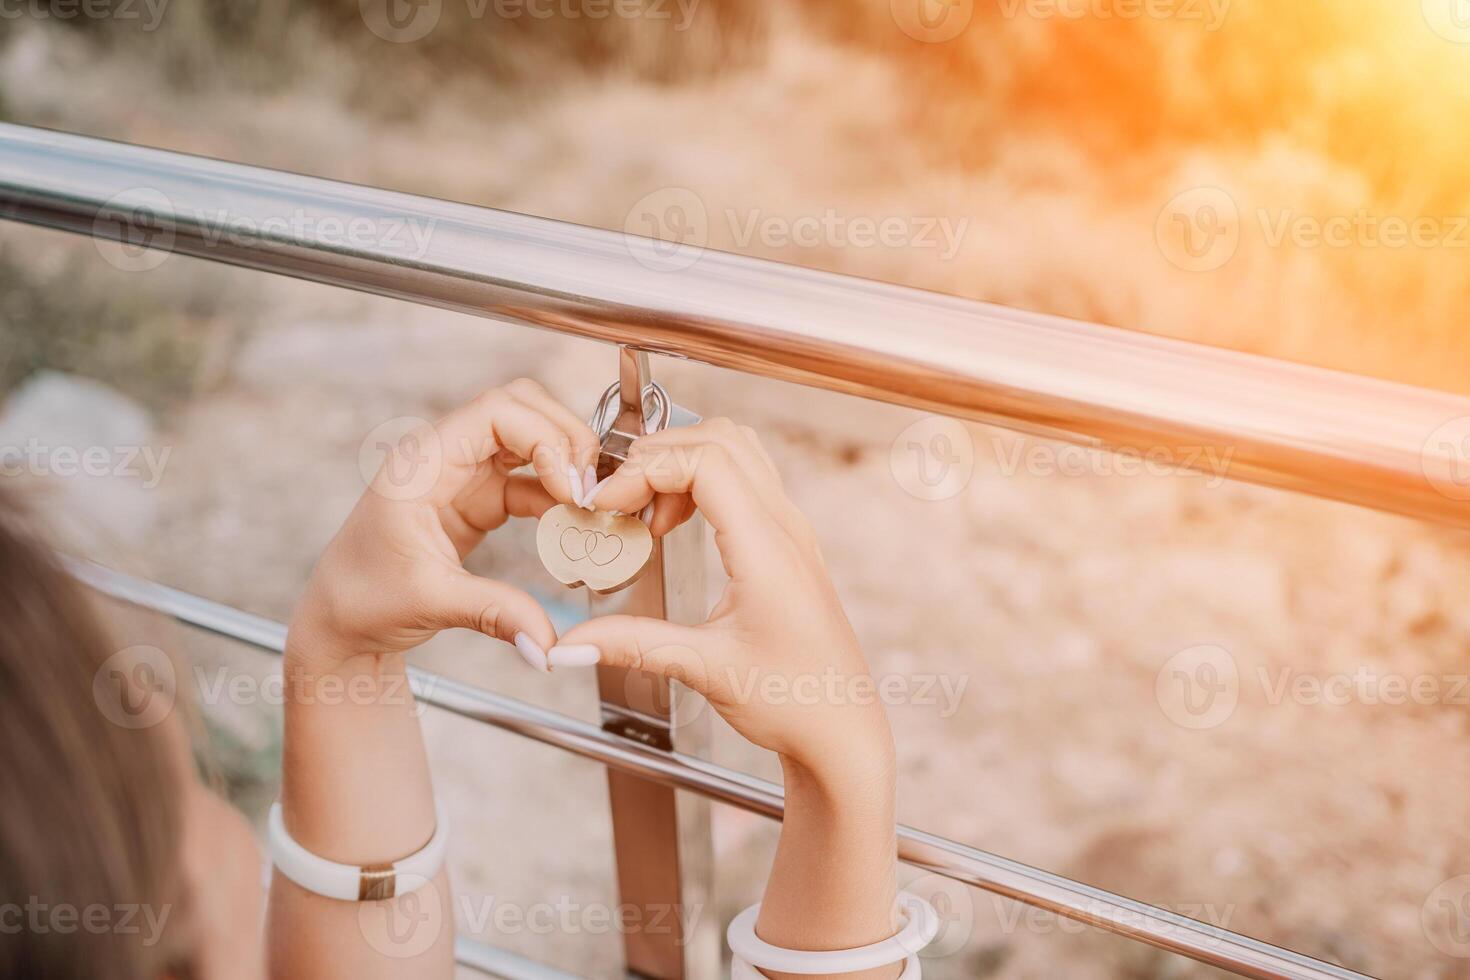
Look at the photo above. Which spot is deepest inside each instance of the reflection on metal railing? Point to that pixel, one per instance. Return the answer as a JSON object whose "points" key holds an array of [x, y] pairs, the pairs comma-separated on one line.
{"points": [[1287, 425], [1114, 913]]}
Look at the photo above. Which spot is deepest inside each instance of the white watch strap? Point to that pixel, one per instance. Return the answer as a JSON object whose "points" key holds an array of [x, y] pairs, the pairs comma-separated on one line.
{"points": [[920, 928], [350, 883]]}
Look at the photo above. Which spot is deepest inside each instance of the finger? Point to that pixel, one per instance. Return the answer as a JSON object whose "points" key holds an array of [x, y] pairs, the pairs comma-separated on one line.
{"points": [[466, 601], [497, 421], [585, 444], [525, 496], [744, 529], [669, 511], [684, 653], [675, 443]]}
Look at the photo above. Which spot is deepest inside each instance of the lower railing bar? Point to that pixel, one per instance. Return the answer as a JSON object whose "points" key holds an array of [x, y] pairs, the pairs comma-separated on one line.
{"points": [[507, 966], [1113, 913]]}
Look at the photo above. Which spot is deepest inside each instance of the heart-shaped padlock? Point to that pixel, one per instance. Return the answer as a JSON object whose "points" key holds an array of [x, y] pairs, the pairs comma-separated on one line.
{"points": [[604, 551]]}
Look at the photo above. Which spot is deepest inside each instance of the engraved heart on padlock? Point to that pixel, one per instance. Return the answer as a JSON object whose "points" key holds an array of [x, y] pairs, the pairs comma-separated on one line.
{"points": [[604, 551]]}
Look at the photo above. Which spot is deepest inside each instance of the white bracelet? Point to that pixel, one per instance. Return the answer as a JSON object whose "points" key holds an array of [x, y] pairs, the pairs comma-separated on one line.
{"points": [[350, 883], [741, 970], [917, 932]]}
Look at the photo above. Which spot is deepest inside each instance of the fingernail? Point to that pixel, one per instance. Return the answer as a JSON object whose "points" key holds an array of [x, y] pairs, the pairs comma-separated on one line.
{"points": [[646, 515], [531, 652], [596, 489], [573, 655], [589, 480], [574, 483]]}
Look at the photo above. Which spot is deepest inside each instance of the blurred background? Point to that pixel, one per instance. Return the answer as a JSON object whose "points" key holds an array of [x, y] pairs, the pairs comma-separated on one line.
{"points": [[1281, 178]]}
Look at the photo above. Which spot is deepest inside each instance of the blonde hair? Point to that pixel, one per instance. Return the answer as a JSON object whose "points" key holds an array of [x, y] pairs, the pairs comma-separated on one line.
{"points": [[90, 810]]}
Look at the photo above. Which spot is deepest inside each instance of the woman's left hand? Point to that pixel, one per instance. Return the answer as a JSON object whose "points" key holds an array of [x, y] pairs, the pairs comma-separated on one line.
{"points": [[394, 574]]}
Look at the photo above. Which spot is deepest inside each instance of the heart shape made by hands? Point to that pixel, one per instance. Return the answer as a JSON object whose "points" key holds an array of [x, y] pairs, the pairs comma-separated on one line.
{"points": [[604, 551]]}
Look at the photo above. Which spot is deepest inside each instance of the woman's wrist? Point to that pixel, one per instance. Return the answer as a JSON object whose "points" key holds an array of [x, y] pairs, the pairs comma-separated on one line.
{"points": [[862, 781], [855, 759], [355, 785]]}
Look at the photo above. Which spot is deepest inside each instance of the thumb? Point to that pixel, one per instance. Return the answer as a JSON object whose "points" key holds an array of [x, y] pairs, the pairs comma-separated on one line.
{"points": [[468, 601], [681, 653]]}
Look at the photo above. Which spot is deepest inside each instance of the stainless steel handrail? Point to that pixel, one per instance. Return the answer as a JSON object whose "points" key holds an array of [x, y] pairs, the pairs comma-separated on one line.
{"points": [[1113, 913], [1286, 425]]}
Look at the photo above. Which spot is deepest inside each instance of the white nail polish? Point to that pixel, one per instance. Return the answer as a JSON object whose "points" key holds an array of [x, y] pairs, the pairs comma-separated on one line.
{"points": [[589, 480], [531, 652], [573, 655], [574, 483], [596, 488], [646, 515]]}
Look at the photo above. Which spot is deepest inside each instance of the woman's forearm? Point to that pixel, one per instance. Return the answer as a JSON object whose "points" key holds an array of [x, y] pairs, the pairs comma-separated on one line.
{"points": [[833, 882], [355, 789]]}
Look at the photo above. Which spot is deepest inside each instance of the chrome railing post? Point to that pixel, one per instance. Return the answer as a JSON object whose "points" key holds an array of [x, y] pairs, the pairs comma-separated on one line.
{"points": [[662, 842]]}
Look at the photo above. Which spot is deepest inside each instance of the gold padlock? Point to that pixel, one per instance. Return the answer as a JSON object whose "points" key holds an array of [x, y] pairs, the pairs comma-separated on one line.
{"points": [[604, 551]]}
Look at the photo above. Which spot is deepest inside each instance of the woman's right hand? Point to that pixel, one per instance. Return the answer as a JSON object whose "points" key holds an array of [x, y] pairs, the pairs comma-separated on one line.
{"points": [[777, 657], [779, 661]]}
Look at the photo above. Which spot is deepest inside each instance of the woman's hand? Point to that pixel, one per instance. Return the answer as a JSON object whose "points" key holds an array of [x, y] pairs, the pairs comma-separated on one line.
{"points": [[393, 576], [779, 661], [355, 784], [777, 657]]}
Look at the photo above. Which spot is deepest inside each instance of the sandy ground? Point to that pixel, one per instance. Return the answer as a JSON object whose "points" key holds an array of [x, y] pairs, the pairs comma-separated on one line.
{"points": [[1055, 603]]}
